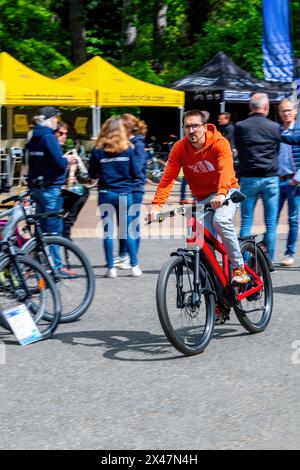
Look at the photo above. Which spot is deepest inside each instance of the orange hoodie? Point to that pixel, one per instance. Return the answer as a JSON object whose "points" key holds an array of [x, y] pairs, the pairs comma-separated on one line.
{"points": [[209, 170]]}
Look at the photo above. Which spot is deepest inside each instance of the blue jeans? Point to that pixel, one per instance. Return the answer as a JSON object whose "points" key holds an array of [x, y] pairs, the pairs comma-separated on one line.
{"points": [[291, 194], [137, 199], [50, 200], [268, 189], [111, 203], [183, 188]]}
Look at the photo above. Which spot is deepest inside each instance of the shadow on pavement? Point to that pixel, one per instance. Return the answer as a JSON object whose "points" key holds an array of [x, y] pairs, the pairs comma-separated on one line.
{"points": [[293, 289], [224, 333], [123, 345]]}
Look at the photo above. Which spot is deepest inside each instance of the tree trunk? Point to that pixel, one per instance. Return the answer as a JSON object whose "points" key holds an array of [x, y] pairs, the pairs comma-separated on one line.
{"points": [[160, 25], [197, 15], [77, 27], [129, 31]]}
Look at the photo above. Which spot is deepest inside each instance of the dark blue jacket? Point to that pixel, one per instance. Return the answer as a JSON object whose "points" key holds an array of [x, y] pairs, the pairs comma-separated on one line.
{"points": [[116, 172], [141, 158], [257, 140], [46, 158], [294, 139]]}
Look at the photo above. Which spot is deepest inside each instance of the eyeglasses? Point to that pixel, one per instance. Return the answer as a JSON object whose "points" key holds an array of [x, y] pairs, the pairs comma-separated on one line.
{"points": [[62, 132], [286, 110], [195, 127]]}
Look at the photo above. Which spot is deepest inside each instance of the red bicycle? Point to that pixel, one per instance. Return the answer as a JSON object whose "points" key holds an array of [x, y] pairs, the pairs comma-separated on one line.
{"points": [[194, 289]]}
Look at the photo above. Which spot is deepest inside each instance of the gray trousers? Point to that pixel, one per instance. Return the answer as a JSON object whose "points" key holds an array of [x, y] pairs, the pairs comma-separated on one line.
{"points": [[220, 222]]}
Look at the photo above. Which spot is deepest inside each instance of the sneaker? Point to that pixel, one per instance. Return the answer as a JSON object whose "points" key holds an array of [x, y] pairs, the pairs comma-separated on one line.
{"points": [[120, 260], [111, 273], [287, 260], [136, 271], [240, 276], [65, 273], [125, 264]]}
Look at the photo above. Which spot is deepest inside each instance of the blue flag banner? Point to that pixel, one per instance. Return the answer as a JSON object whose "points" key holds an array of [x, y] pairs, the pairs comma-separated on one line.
{"points": [[278, 60]]}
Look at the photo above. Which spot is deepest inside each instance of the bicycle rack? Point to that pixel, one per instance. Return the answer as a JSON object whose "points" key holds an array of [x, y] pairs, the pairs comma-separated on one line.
{"points": [[17, 158], [5, 171]]}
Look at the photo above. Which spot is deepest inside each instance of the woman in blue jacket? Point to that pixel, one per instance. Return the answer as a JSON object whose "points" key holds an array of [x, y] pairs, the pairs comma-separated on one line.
{"points": [[136, 131], [114, 163]]}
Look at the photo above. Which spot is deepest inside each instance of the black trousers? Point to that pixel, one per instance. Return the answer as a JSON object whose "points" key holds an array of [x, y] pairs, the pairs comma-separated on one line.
{"points": [[72, 209]]}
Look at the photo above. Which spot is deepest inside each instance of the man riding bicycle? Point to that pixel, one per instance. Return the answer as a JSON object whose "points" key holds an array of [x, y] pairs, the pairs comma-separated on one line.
{"points": [[206, 159]]}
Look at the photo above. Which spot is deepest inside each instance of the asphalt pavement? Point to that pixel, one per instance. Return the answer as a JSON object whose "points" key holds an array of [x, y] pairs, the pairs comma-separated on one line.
{"points": [[112, 381]]}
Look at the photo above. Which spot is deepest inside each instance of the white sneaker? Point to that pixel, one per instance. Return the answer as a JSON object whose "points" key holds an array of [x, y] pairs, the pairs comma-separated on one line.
{"points": [[136, 271], [111, 273], [287, 260], [119, 262], [124, 264]]}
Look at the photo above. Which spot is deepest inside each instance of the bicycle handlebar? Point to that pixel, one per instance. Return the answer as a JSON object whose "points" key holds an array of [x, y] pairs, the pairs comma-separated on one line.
{"points": [[235, 197], [17, 197]]}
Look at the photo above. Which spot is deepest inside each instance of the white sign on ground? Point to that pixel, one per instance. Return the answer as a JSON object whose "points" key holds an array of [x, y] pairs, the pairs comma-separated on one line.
{"points": [[22, 324]]}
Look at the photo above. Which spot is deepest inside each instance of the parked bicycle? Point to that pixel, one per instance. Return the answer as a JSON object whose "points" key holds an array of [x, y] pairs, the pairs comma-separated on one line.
{"points": [[24, 281], [155, 165], [76, 290], [194, 289]]}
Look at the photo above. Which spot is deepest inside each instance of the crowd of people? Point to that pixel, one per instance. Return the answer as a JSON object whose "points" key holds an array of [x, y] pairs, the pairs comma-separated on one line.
{"points": [[268, 157]]}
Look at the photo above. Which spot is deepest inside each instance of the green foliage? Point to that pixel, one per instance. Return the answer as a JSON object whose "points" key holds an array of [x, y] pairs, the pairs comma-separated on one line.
{"points": [[236, 29], [31, 33], [295, 9], [37, 32]]}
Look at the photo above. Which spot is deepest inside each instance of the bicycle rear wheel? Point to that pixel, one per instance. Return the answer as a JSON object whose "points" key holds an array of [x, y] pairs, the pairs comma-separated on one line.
{"points": [[254, 312], [34, 288], [77, 290], [188, 326]]}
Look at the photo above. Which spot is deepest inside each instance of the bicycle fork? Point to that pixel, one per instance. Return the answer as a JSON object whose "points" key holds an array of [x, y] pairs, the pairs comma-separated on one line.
{"points": [[195, 290]]}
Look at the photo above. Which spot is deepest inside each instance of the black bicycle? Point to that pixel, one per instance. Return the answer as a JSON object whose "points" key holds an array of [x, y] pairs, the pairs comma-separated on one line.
{"points": [[76, 289], [24, 281]]}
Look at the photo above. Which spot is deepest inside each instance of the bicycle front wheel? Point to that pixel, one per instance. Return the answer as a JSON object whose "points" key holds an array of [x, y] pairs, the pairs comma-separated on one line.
{"points": [[187, 324], [76, 290], [31, 286], [254, 312]]}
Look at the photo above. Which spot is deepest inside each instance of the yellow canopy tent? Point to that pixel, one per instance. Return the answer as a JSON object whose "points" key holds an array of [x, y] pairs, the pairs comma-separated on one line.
{"points": [[25, 87], [112, 87], [21, 86]]}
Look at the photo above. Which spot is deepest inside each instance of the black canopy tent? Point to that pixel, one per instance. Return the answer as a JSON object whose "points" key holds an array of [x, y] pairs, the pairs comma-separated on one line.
{"points": [[221, 81]]}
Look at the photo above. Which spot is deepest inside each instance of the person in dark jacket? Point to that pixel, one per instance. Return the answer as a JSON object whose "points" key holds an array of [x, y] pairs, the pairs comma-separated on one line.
{"points": [[289, 166], [136, 132], [226, 128], [73, 202], [257, 140], [113, 161], [45, 159]]}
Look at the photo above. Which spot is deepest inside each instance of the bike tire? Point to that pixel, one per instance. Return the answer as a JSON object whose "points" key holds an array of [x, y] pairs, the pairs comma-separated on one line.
{"points": [[200, 338], [74, 304], [252, 252], [48, 294], [154, 178]]}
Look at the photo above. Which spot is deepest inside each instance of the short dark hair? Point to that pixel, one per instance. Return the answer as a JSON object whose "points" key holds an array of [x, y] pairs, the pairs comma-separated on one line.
{"points": [[194, 112], [226, 114], [62, 125]]}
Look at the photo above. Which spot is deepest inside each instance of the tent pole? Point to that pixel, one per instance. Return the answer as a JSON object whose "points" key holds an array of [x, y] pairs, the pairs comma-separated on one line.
{"points": [[9, 122], [94, 122], [222, 107], [99, 119], [181, 111]]}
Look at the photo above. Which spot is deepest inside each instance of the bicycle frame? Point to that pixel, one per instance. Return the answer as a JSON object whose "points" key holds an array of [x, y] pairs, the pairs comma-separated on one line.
{"points": [[222, 274]]}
